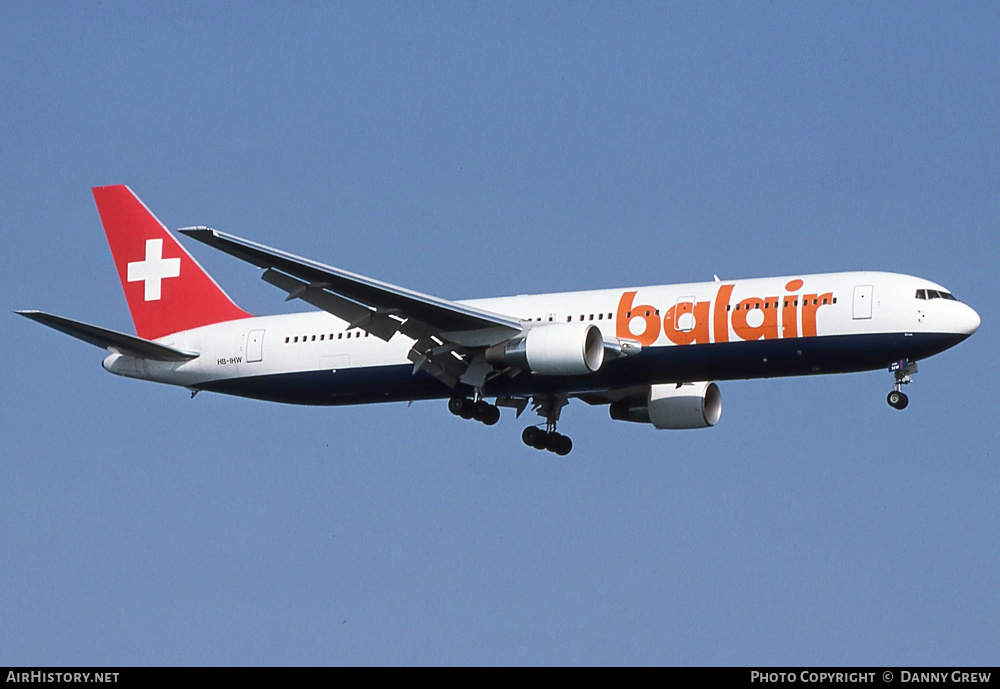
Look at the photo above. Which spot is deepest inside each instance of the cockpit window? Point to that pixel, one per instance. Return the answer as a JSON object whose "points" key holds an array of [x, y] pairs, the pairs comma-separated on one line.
{"points": [[934, 294]]}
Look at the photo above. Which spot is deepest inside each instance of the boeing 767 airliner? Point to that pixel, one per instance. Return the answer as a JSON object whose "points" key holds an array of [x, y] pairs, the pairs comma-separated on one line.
{"points": [[650, 353]]}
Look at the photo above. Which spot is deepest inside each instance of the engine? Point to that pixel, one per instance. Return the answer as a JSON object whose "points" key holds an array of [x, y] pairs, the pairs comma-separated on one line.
{"points": [[671, 406], [564, 349]]}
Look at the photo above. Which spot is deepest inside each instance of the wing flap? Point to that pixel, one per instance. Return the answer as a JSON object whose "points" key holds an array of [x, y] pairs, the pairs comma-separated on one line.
{"points": [[357, 315]]}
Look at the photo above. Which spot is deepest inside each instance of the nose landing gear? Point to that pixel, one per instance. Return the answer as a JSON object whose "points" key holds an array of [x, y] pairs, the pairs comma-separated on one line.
{"points": [[901, 370]]}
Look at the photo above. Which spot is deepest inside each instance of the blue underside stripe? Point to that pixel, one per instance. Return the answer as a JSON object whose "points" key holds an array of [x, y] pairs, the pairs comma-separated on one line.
{"points": [[711, 362]]}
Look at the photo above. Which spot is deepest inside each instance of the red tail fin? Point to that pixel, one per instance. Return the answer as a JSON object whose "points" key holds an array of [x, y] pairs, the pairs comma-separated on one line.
{"points": [[167, 291]]}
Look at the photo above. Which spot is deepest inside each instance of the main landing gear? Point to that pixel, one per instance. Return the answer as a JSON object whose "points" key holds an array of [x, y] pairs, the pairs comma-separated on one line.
{"points": [[535, 437], [901, 371], [480, 410]]}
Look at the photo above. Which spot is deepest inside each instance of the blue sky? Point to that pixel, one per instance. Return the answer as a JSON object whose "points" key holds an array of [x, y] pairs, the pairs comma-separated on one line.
{"points": [[469, 150]]}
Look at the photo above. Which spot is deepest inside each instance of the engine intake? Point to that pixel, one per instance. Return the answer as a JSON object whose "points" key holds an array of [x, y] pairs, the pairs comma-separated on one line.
{"points": [[565, 349], [671, 406]]}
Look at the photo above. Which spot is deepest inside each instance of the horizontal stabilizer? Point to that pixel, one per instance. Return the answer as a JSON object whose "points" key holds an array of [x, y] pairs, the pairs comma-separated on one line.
{"points": [[110, 339]]}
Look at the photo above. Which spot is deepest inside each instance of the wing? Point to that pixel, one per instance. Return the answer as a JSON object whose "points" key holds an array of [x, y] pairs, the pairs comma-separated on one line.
{"points": [[362, 301], [109, 339], [444, 330]]}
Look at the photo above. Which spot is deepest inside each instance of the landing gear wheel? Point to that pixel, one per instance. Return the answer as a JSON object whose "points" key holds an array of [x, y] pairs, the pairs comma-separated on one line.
{"points": [[559, 444], [552, 441], [491, 416], [532, 436], [564, 446], [897, 400], [468, 409], [456, 405], [483, 411]]}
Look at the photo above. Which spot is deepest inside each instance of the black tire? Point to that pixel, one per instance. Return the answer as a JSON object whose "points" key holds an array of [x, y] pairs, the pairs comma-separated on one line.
{"points": [[552, 441], [564, 446], [531, 435], [468, 409], [456, 405], [479, 410], [897, 400], [491, 415]]}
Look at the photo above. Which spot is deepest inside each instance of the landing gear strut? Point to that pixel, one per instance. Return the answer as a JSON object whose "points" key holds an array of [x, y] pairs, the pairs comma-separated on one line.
{"points": [[549, 439], [480, 410], [901, 371]]}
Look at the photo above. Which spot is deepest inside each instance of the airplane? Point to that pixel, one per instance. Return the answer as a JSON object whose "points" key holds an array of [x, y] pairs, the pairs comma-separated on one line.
{"points": [[651, 354]]}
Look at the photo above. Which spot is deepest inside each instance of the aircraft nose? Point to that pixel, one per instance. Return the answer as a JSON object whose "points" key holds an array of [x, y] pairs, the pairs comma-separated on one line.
{"points": [[968, 320]]}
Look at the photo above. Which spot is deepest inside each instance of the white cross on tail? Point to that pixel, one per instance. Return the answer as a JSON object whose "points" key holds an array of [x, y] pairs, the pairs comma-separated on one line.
{"points": [[153, 269]]}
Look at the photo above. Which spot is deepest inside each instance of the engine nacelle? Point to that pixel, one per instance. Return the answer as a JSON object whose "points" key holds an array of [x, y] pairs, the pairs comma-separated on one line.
{"points": [[689, 405], [564, 349]]}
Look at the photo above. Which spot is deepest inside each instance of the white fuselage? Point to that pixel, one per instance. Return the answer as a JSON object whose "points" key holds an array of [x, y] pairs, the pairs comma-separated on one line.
{"points": [[698, 331]]}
